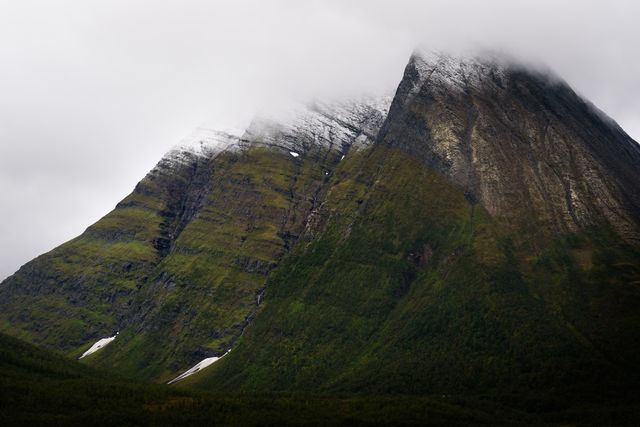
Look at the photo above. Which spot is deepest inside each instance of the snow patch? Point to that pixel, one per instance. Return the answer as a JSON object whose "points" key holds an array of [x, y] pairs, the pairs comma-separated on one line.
{"points": [[98, 345], [294, 154], [197, 368]]}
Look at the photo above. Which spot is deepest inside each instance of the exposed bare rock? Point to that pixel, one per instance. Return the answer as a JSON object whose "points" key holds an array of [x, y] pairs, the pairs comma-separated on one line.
{"points": [[519, 141]]}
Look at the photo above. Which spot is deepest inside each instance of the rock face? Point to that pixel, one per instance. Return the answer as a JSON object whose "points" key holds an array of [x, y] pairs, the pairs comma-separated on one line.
{"points": [[520, 142], [480, 236]]}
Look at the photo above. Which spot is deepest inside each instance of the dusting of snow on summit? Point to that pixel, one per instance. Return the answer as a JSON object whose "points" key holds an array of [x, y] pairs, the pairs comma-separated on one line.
{"points": [[207, 142], [338, 126], [443, 71], [201, 143]]}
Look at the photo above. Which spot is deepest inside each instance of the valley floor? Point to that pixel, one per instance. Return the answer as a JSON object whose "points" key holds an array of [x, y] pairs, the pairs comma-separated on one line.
{"points": [[38, 387]]}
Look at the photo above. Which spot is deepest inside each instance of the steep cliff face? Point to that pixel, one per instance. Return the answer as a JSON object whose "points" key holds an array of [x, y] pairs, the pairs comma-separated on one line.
{"points": [[520, 142], [180, 265]]}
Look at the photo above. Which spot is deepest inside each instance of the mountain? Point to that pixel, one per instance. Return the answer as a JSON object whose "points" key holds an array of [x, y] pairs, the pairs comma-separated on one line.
{"points": [[477, 235], [520, 143], [179, 266], [487, 243]]}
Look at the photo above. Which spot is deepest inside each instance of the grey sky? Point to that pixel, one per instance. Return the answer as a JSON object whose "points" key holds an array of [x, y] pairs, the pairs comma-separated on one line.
{"points": [[92, 93]]}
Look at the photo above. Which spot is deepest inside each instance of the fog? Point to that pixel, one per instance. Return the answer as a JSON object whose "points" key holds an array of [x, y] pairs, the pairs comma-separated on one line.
{"points": [[92, 93]]}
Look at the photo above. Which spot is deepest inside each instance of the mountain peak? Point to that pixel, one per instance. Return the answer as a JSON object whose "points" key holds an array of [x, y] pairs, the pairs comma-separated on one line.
{"points": [[474, 69], [456, 71], [509, 134]]}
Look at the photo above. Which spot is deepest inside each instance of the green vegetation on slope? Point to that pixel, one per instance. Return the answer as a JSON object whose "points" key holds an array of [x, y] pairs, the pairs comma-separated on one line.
{"points": [[176, 267], [77, 293], [201, 293], [407, 287]]}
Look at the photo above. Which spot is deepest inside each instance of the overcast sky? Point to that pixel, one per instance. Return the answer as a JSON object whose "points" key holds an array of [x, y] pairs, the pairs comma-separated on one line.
{"points": [[92, 93]]}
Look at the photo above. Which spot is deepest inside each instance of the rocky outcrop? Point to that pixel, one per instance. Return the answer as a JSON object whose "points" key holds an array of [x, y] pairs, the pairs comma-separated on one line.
{"points": [[519, 141]]}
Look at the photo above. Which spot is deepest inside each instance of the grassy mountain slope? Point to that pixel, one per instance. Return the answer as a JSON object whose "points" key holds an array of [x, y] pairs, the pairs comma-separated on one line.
{"points": [[179, 266], [182, 298], [204, 290], [410, 288], [76, 293]]}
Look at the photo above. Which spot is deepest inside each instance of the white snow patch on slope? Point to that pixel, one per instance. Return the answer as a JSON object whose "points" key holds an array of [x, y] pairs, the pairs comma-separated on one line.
{"points": [[294, 154], [98, 345], [197, 368]]}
